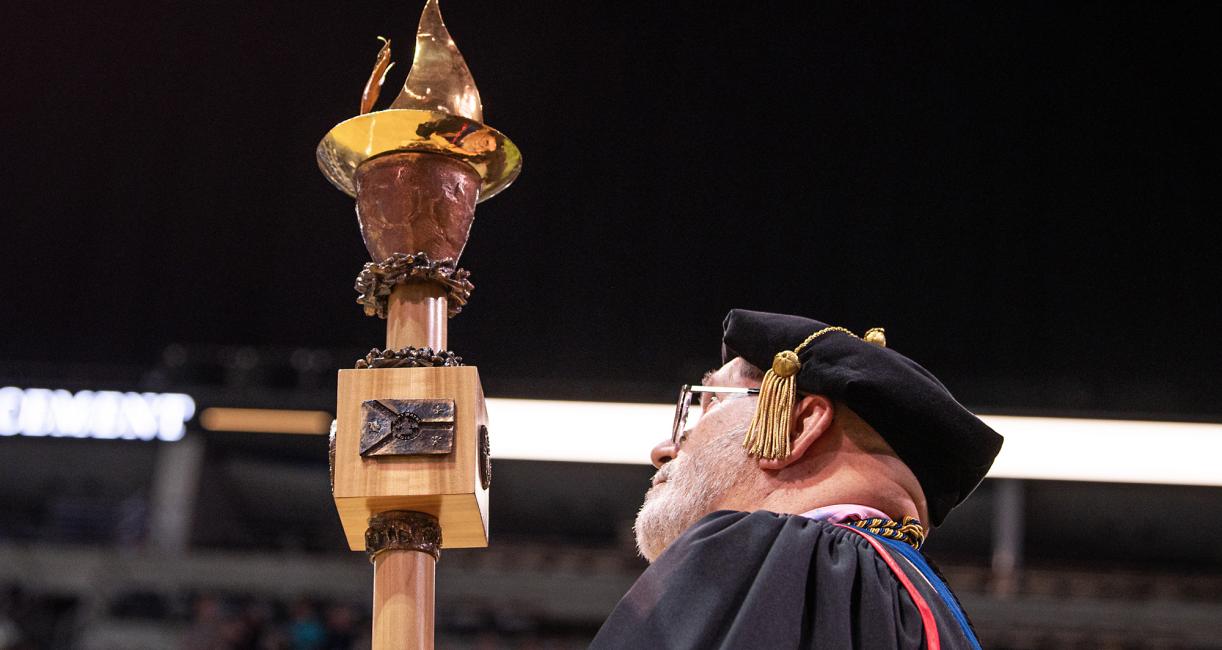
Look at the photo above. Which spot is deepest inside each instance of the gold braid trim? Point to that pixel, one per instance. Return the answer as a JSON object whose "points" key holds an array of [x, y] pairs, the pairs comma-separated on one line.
{"points": [[910, 531], [768, 434]]}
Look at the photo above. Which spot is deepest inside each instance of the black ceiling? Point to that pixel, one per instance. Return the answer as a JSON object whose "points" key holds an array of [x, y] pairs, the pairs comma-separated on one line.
{"points": [[1026, 197]]}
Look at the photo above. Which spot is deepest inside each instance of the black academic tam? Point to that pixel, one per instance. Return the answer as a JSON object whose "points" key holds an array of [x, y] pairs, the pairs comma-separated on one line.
{"points": [[945, 445], [766, 581]]}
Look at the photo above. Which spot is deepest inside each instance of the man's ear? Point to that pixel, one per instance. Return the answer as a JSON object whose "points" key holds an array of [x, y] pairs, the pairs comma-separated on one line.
{"points": [[812, 416]]}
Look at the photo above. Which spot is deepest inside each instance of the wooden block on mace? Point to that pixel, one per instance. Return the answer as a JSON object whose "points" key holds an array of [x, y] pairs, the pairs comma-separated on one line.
{"points": [[447, 486]]}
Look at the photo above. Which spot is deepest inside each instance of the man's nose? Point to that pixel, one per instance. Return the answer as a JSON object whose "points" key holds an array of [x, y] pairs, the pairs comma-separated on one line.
{"points": [[663, 453]]}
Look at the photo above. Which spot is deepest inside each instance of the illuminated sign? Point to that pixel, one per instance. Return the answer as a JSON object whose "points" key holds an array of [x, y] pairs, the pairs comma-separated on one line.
{"points": [[104, 414]]}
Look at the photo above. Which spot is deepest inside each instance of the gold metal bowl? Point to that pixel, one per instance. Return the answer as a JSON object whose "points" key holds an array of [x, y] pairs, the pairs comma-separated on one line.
{"points": [[352, 142]]}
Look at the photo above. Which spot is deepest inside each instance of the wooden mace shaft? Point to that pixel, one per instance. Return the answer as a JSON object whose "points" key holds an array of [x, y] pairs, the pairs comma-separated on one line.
{"points": [[403, 597], [416, 316], [404, 581]]}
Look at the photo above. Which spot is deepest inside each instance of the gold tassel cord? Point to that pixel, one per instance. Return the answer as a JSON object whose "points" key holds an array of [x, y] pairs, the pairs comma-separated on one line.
{"points": [[768, 434], [910, 530]]}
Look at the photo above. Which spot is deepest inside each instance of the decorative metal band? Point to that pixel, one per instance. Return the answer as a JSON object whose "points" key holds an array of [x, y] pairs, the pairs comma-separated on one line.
{"points": [[408, 357], [331, 454], [485, 458], [403, 530], [378, 279]]}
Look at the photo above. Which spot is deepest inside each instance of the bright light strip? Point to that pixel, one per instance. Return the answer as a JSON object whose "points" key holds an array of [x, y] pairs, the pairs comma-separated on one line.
{"points": [[104, 414], [1065, 449], [1110, 451], [265, 420], [583, 432]]}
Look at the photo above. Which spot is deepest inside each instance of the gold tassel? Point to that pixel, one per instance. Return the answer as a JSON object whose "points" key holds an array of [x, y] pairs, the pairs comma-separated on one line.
{"points": [[768, 435]]}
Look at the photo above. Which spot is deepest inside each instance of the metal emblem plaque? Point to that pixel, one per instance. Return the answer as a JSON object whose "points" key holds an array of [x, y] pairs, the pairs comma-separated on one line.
{"points": [[407, 427]]}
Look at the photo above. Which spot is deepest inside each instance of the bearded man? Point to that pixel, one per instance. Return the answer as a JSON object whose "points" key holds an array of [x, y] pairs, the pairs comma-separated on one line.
{"points": [[788, 512]]}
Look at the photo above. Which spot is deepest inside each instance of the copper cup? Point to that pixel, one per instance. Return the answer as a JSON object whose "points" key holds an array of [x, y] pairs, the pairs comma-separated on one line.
{"points": [[409, 202]]}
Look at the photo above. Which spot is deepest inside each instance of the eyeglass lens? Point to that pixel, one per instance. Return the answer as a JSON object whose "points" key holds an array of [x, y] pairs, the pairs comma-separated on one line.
{"points": [[687, 413]]}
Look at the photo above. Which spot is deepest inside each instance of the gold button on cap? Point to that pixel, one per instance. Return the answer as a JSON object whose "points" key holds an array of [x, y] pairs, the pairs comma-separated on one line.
{"points": [[786, 364]]}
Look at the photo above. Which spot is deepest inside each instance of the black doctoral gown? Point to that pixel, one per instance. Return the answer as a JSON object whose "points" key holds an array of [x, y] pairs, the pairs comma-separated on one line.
{"points": [[768, 581]]}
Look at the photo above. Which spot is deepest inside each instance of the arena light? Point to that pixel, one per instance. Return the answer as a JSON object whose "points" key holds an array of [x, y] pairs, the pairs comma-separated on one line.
{"points": [[104, 414], [1068, 449], [265, 420], [1117, 451], [584, 432]]}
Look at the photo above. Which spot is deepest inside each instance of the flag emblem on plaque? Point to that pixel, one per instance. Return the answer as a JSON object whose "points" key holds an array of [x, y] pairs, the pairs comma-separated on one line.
{"points": [[407, 427]]}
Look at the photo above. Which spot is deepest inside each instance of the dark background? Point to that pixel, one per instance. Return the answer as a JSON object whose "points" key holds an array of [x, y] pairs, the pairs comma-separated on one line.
{"points": [[1026, 197]]}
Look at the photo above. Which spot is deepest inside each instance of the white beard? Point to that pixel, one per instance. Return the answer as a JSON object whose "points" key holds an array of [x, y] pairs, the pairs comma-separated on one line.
{"points": [[696, 480]]}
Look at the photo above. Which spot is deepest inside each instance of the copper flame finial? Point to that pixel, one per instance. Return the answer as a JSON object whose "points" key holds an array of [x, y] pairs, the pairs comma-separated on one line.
{"points": [[438, 111], [373, 87], [439, 79]]}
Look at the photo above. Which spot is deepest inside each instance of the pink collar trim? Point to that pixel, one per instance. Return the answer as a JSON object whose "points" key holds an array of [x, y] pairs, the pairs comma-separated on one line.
{"points": [[840, 512]]}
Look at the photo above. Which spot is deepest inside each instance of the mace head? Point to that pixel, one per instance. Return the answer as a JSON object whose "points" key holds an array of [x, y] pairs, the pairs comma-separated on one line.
{"points": [[438, 111]]}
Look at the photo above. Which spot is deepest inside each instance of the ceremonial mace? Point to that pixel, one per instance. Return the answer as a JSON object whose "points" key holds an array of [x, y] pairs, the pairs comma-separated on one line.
{"points": [[409, 447]]}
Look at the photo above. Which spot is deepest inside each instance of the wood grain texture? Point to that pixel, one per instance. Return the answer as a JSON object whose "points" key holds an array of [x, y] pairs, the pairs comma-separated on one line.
{"points": [[403, 600], [447, 487]]}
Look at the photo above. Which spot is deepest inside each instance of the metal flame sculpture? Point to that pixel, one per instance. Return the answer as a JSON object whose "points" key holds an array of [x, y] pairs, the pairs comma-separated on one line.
{"points": [[438, 111]]}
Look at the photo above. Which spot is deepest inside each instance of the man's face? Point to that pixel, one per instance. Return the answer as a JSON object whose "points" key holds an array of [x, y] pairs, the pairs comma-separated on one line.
{"points": [[707, 470]]}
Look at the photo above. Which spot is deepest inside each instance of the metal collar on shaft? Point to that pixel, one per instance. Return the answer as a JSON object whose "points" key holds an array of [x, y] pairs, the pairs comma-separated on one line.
{"points": [[403, 530]]}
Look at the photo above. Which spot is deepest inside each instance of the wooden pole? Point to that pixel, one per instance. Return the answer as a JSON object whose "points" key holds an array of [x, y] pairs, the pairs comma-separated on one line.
{"points": [[403, 597], [416, 316], [404, 581]]}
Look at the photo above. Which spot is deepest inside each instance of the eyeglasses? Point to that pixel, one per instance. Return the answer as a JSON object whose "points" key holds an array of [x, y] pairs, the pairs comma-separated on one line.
{"points": [[689, 393]]}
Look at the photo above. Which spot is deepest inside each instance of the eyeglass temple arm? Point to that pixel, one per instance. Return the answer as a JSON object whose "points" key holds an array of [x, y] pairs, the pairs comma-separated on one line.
{"points": [[723, 389]]}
